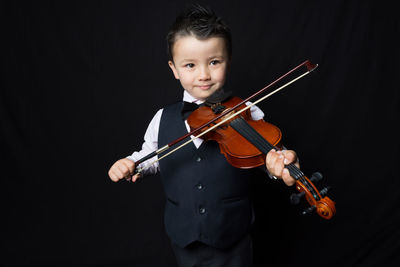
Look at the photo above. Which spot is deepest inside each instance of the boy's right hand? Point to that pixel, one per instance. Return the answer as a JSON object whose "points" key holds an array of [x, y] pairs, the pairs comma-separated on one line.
{"points": [[123, 169]]}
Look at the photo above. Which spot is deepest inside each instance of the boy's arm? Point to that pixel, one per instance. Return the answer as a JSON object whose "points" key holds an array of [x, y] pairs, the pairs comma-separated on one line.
{"points": [[150, 145], [125, 167]]}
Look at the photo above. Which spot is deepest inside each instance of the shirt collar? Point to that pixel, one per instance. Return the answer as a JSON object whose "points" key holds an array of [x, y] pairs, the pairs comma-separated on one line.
{"points": [[189, 98]]}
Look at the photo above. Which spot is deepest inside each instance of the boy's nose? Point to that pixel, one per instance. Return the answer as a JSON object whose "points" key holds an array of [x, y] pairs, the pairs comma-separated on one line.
{"points": [[204, 74]]}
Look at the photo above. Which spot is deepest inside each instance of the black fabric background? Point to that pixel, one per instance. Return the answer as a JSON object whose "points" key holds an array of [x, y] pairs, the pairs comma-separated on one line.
{"points": [[81, 80]]}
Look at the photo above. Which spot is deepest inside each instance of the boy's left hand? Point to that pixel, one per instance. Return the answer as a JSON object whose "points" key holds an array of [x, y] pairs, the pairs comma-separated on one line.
{"points": [[276, 161]]}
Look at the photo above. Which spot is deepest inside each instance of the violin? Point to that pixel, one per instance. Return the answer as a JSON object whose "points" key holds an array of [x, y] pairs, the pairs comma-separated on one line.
{"points": [[245, 142]]}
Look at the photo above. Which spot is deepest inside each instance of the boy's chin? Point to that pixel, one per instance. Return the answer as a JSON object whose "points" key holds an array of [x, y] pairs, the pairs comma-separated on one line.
{"points": [[203, 95]]}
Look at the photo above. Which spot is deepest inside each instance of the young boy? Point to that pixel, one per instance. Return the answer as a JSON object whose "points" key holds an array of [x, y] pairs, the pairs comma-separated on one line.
{"points": [[208, 213]]}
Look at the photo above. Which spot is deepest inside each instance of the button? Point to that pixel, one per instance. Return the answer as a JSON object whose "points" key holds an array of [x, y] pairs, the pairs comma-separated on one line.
{"points": [[199, 186], [198, 159], [202, 210]]}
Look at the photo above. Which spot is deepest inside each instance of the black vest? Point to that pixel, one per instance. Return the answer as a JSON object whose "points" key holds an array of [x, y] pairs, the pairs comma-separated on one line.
{"points": [[207, 198]]}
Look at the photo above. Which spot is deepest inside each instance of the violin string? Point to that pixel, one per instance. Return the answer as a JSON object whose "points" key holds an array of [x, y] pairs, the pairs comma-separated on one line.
{"points": [[294, 171], [225, 120], [309, 188], [250, 134]]}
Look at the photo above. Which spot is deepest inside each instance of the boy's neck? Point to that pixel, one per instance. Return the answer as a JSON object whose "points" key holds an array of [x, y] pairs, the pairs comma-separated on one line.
{"points": [[187, 97]]}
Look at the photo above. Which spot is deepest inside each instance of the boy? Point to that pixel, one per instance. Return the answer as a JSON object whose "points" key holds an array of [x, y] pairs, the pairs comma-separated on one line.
{"points": [[208, 213]]}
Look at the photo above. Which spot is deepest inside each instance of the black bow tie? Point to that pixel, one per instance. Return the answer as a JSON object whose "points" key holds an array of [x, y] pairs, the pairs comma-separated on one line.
{"points": [[188, 108]]}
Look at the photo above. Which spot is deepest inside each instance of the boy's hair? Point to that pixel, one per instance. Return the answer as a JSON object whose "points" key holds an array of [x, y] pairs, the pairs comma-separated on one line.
{"points": [[200, 22]]}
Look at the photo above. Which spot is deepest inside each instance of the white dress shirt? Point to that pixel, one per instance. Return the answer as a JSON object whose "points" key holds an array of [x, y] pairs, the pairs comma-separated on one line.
{"points": [[151, 136]]}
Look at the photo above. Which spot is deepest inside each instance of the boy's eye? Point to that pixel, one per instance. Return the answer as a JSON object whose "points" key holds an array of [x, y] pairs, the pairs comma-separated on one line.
{"points": [[214, 62], [189, 65]]}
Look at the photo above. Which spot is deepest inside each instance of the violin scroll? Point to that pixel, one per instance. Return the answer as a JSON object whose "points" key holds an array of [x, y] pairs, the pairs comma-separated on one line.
{"points": [[318, 200]]}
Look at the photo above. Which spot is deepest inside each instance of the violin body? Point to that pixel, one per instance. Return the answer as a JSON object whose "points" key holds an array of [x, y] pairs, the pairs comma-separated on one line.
{"points": [[238, 151]]}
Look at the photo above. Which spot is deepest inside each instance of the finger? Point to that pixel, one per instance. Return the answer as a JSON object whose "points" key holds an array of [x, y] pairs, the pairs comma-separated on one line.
{"points": [[113, 177], [278, 165], [293, 159], [287, 179], [273, 157], [130, 165], [275, 162], [135, 177], [269, 157], [123, 169], [118, 173], [290, 156]]}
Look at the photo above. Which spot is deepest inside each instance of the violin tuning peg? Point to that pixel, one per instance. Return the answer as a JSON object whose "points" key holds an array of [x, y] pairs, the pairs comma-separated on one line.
{"points": [[324, 191], [309, 210], [316, 176], [295, 198]]}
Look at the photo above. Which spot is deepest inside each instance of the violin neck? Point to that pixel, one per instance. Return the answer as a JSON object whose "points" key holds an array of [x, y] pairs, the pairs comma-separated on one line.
{"points": [[244, 129]]}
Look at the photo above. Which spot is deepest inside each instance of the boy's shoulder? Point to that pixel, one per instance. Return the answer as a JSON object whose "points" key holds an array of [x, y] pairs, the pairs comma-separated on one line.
{"points": [[173, 105]]}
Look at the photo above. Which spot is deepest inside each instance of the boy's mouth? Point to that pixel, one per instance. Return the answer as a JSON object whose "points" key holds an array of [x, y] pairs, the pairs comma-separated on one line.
{"points": [[204, 87]]}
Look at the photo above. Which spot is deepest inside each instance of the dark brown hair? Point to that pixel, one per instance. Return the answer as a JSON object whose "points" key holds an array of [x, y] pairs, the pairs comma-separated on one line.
{"points": [[200, 22]]}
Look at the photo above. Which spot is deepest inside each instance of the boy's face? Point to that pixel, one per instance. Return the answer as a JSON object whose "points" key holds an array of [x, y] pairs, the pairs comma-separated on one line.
{"points": [[200, 65]]}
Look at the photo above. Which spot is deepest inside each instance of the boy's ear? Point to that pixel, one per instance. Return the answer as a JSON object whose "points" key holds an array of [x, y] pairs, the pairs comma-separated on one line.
{"points": [[172, 66]]}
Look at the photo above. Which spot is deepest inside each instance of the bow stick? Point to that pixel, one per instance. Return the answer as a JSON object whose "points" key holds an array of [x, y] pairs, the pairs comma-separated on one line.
{"points": [[310, 67]]}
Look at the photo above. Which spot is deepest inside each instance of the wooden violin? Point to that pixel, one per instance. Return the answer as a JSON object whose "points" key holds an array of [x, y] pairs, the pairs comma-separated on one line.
{"points": [[245, 142]]}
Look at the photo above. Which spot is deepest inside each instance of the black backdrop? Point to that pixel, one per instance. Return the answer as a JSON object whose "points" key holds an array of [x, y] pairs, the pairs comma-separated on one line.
{"points": [[81, 80]]}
